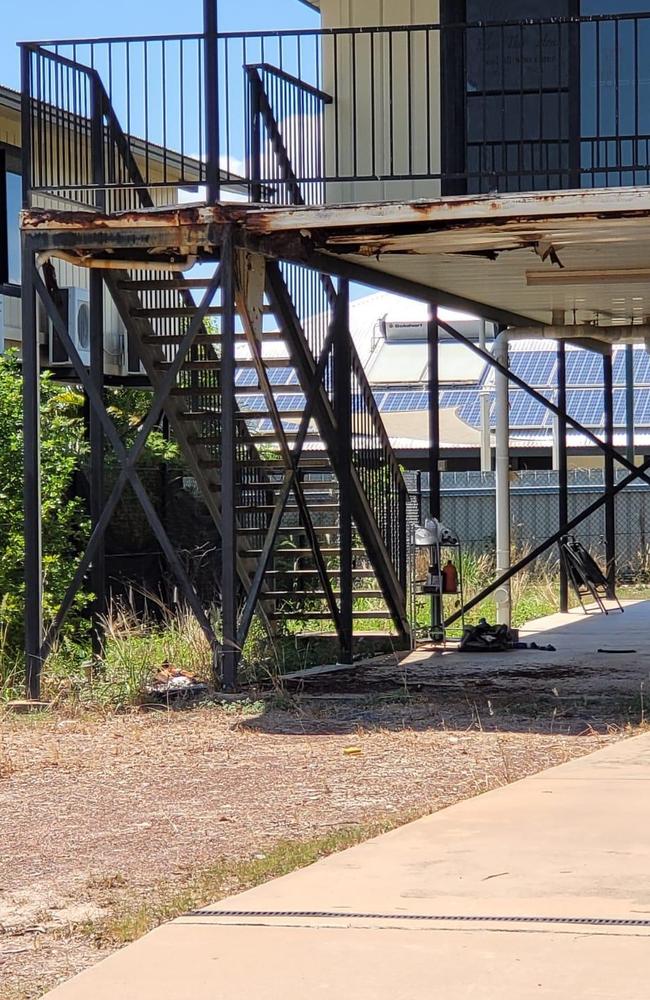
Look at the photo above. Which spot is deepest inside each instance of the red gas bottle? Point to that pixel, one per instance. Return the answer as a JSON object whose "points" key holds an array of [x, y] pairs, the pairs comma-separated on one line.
{"points": [[449, 579]]}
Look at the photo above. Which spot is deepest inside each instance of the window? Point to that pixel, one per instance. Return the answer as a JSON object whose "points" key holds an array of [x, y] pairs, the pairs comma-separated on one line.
{"points": [[10, 205], [14, 204], [518, 95]]}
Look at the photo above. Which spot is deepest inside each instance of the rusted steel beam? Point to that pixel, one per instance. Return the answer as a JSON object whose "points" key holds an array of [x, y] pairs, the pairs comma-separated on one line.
{"points": [[491, 210], [32, 480], [145, 218], [479, 209]]}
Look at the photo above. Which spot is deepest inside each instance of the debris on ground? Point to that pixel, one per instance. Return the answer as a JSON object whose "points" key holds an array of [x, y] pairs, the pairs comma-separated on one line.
{"points": [[174, 684]]}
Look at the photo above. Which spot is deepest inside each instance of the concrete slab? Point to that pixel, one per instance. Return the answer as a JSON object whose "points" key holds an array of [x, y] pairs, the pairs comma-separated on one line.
{"points": [[537, 890], [574, 633]]}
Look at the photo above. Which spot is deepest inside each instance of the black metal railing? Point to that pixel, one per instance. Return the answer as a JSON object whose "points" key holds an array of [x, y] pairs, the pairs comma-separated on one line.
{"points": [[313, 297], [81, 100], [461, 108], [364, 113], [376, 465], [285, 143]]}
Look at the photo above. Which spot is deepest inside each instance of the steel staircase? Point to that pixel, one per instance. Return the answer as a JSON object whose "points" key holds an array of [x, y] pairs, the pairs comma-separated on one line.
{"points": [[305, 505], [294, 598]]}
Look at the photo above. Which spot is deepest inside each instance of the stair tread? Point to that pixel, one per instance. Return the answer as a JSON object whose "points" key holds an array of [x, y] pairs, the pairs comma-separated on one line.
{"points": [[268, 337], [356, 635], [293, 508], [325, 615], [314, 572], [175, 338], [327, 551], [171, 312], [317, 595], [288, 529]]}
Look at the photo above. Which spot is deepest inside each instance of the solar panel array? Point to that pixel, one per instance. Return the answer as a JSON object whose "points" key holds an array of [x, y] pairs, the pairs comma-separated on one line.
{"points": [[584, 371]]}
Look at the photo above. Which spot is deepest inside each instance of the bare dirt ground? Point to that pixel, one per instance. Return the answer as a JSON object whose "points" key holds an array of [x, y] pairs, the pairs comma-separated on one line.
{"points": [[95, 810]]}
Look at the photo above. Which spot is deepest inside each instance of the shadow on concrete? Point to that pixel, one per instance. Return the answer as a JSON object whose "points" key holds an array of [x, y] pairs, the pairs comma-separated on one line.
{"points": [[571, 690]]}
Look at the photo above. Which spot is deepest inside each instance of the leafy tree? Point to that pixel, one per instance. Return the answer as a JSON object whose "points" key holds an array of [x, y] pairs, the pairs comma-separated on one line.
{"points": [[129, 408], [65, 524]]}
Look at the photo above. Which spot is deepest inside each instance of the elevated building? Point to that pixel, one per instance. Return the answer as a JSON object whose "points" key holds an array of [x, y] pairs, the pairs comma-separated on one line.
{"points": [[489, 159]]}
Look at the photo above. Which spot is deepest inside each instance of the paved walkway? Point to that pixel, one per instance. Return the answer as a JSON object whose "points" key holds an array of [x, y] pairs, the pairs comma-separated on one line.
{"points": [[548, 879]]}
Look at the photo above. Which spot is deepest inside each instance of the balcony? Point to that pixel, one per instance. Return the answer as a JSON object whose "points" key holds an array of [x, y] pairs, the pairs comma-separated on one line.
{"points": [[359, 115]]}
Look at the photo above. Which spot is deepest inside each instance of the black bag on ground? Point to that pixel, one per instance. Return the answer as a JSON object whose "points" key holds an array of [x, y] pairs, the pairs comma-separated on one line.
{"points": [[485, 638]]}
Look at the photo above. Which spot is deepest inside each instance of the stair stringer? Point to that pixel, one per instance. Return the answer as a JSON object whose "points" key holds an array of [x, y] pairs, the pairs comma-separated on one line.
{"points": [[305, 365], [150, 356]]}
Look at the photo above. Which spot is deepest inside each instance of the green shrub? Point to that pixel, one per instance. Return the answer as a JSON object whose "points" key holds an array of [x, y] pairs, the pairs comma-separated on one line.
{"points": [[65, 525]]}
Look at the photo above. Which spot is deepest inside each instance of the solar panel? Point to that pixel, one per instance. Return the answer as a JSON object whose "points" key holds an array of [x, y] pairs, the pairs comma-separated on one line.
{"points": [[586, 406], [252, 404], [641, 367], [536, 367], [524, 411], [245, 377], [584, 368], [454, 397], [642, 408], [286, 401], [404, 402], [282, 376], [619, 407], [470, 409]]}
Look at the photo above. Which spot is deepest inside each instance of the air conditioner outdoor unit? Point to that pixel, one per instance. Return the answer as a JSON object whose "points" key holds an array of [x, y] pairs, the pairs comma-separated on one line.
{"points": [[76, 315]]}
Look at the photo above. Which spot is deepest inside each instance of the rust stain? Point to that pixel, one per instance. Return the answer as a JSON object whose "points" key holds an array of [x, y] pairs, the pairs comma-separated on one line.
{"points": [[155, 218]]}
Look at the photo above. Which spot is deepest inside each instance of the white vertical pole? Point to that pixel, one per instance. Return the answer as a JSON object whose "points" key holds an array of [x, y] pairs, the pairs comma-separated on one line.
{"points": [[502, 466], [484, 398]]}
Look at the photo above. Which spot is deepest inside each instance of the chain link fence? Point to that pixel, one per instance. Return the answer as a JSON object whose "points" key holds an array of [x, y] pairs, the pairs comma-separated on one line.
{"points": [[468, 508]]}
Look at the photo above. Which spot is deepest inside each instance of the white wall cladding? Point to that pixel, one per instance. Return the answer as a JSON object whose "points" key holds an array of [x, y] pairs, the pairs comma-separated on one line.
{"points": [[387, 117]]}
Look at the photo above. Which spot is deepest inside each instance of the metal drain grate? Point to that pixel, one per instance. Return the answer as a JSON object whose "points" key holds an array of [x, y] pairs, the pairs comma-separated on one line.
{"points": [[425, 917]]}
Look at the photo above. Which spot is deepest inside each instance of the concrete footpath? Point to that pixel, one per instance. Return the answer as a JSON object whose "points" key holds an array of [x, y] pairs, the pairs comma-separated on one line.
{"points": [[548, 879]]}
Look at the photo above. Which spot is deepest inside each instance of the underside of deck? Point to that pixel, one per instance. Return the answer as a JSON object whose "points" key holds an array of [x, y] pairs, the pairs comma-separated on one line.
{"points": [[517, 259]]}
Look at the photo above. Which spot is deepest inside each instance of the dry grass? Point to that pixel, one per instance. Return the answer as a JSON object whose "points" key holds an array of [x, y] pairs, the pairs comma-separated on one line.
{"points": [[129, 922], [110, 824]]}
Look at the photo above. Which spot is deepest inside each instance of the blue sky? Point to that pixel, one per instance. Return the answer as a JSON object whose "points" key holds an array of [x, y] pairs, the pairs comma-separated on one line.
{"points": [[42, 19]]}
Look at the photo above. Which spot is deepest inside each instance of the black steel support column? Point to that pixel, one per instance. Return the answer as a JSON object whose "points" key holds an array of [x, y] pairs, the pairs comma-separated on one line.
{"points": [[230, 652], [610, 516], [629, 402], [434, 414], [211, 83], [343, 413], [98, 571], [32, 480], [434, 449], [96, 311], [563, 479]]}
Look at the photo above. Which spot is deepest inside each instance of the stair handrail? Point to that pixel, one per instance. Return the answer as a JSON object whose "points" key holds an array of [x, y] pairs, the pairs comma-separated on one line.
{"points": [[262, 111]]}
